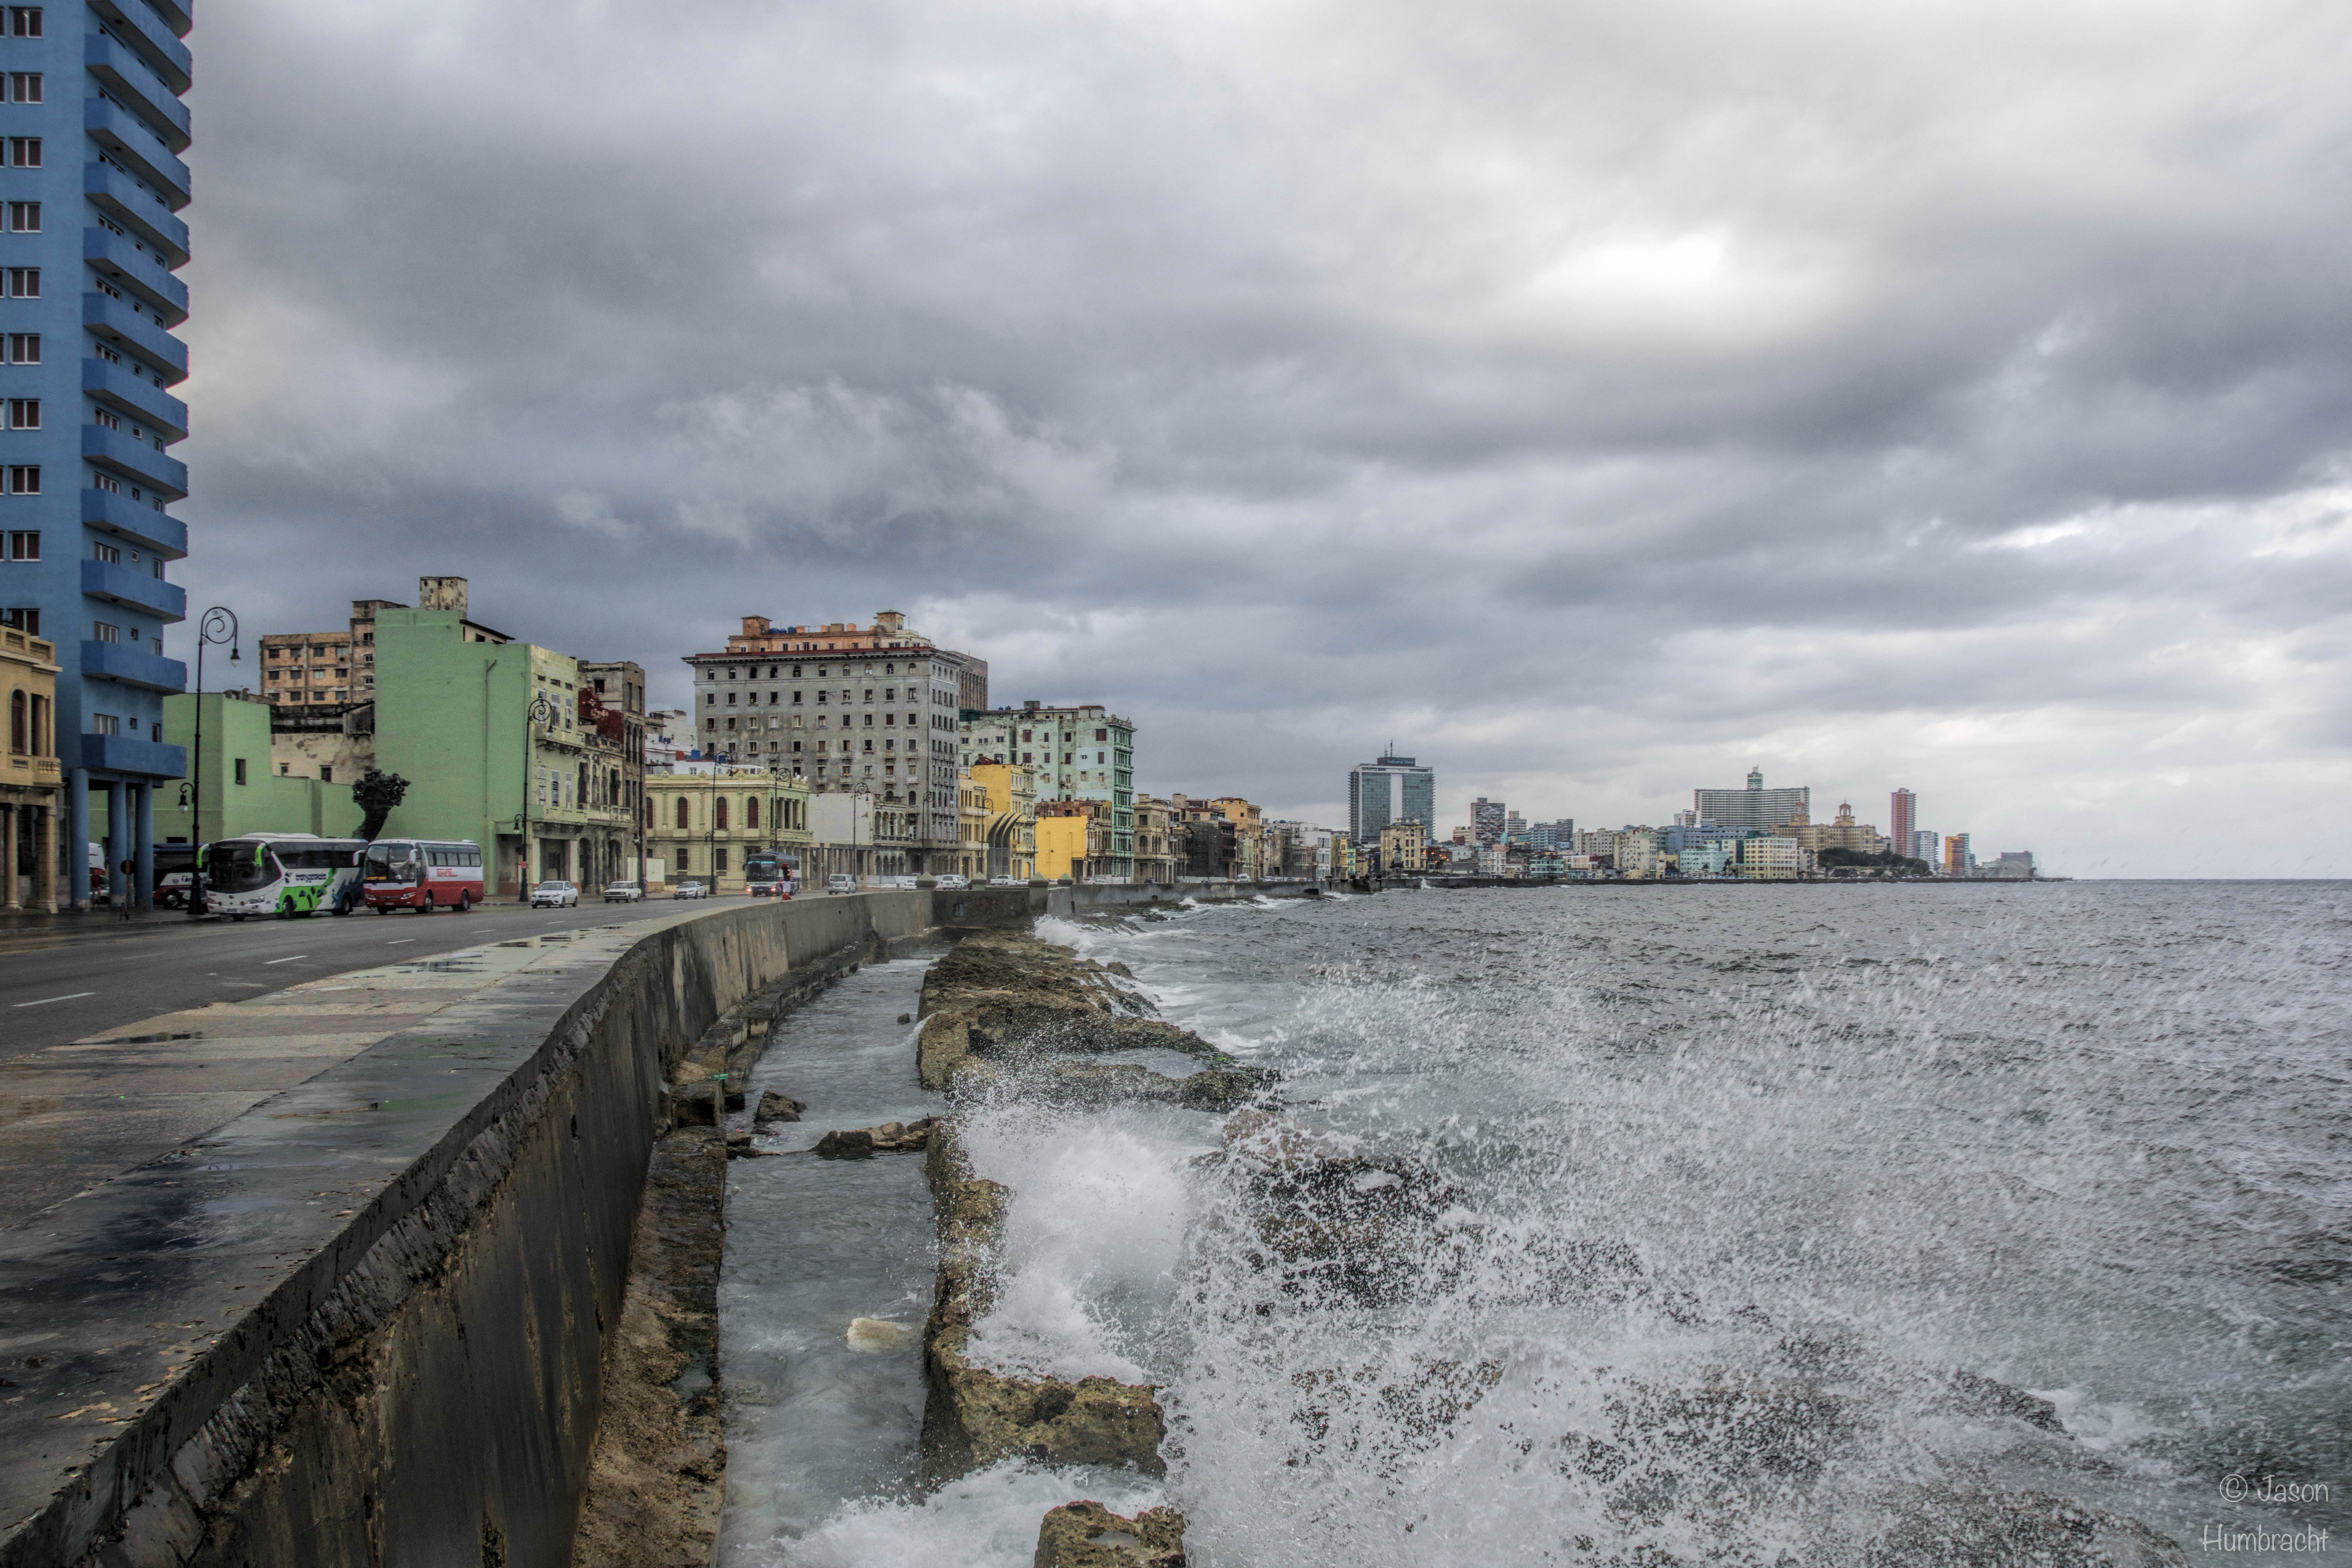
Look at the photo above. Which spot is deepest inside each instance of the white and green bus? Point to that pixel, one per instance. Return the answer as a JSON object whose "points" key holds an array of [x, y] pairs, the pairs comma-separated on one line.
{"points": [[281, 874]]}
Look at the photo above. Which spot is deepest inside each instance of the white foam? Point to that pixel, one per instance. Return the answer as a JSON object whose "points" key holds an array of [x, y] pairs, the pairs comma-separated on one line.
{"points": [[1092, 1237], [987, 1520]]}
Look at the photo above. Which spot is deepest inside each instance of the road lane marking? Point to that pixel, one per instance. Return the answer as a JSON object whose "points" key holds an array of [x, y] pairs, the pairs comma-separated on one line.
{"points": [[47, 1000], [402, 943], [298, 955]]}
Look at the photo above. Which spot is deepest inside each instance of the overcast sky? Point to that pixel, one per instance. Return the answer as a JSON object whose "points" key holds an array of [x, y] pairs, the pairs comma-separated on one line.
{"points": [[1596, 400]]}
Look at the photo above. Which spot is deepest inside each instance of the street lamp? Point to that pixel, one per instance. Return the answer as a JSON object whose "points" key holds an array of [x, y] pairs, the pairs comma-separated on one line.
{"points": [[540, 711], [217, 626]]}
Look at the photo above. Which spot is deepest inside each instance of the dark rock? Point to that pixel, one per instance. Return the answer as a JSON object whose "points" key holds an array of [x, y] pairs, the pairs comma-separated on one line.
{"points": [[974, 1417], [864, 1142], [696, 1105], [1007, 989], [774, 1107], [1086, 1534], [734, 1099], [1982, 1528], [906, 1018], [1979, 1395], [1097, 1084]]}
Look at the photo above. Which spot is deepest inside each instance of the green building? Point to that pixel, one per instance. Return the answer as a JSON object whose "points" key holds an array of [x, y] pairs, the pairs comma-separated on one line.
{"points": [[490, 736], [232, 789]]}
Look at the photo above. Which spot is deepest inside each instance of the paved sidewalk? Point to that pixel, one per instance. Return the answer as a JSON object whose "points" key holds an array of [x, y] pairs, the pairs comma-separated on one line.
{"points": [[84, 922]]}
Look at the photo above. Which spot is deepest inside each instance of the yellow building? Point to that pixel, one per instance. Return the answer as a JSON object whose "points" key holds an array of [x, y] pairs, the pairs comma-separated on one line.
{"points": [[1771, 860], [971, 827], [1061, 841], [29, 784], [1405, 847], [1012, 817], [701, 825]]}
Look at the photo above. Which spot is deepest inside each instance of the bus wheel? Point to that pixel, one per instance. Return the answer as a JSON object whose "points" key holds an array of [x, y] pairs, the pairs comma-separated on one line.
{"points": [[426, 907], [465, 902]]}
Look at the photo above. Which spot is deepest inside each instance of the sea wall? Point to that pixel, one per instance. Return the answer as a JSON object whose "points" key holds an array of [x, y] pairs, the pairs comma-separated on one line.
{"points": [[408, 1373], [366, 1321]]}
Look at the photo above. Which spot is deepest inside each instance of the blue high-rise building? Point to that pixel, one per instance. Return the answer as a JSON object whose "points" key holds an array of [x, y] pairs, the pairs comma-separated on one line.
{"points": [[90, 191]]}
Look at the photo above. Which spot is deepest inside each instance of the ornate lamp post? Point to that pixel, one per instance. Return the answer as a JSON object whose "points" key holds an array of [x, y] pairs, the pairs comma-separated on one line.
{"points": [[217, 625], [540, 711]]}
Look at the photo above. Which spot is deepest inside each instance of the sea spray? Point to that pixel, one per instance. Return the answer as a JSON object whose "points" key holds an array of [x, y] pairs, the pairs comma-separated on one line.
{"points": [[1824, 1224]]}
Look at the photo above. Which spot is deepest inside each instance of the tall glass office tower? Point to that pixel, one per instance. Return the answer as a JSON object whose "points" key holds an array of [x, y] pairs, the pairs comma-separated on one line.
{"points": [[1389, 790], [91, 192]]}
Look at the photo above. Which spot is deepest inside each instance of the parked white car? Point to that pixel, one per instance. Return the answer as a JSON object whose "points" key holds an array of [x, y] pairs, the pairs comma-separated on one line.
{"points": [[555, 896], [689, 891], [952, 882], [840, 882], [624, 893], [1008, 881]]}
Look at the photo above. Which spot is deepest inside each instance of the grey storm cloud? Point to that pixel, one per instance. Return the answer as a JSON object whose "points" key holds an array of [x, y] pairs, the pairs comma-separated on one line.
{"points": [[1594, 400]]}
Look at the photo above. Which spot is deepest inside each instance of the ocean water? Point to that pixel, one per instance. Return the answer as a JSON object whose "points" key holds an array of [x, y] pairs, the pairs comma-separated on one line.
{"points": [[1710, 1224]]}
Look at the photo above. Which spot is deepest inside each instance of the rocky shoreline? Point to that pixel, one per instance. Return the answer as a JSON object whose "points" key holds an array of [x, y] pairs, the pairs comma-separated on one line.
{"points": [[1009, 1015], [1006, 1012], [1006, 1017]]}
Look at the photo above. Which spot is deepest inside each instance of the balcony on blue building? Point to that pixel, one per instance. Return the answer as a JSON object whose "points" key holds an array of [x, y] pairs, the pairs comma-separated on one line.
{"points": [[140, 522], [128, 140], [116, 321], [170, 60], [135, 395], [137, 459], [126, 262], [135, 590], [131, 665], [135, 81], [132, 754], [121, 197]]}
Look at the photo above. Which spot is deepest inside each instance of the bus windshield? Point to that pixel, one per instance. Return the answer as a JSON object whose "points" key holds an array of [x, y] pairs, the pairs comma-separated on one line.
{"points": [[239, 865], [767, 866], [393, 862], [325, 855]]}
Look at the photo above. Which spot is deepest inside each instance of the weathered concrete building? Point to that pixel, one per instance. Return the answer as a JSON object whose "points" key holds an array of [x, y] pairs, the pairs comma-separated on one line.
{"points": [[613, 719], [851, 708]]}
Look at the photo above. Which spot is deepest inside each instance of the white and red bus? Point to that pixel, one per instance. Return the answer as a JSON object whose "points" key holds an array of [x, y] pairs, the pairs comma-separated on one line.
{"points": [[423, 874]]}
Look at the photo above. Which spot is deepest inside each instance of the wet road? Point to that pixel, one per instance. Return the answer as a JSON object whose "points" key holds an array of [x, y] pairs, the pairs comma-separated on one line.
{"points": [[91, 975]]}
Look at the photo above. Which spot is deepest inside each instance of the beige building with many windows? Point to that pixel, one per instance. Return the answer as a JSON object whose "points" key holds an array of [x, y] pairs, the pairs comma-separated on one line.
{"points": [[849, 709], [1155, 852], [1844, 833], [702, 824]]}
